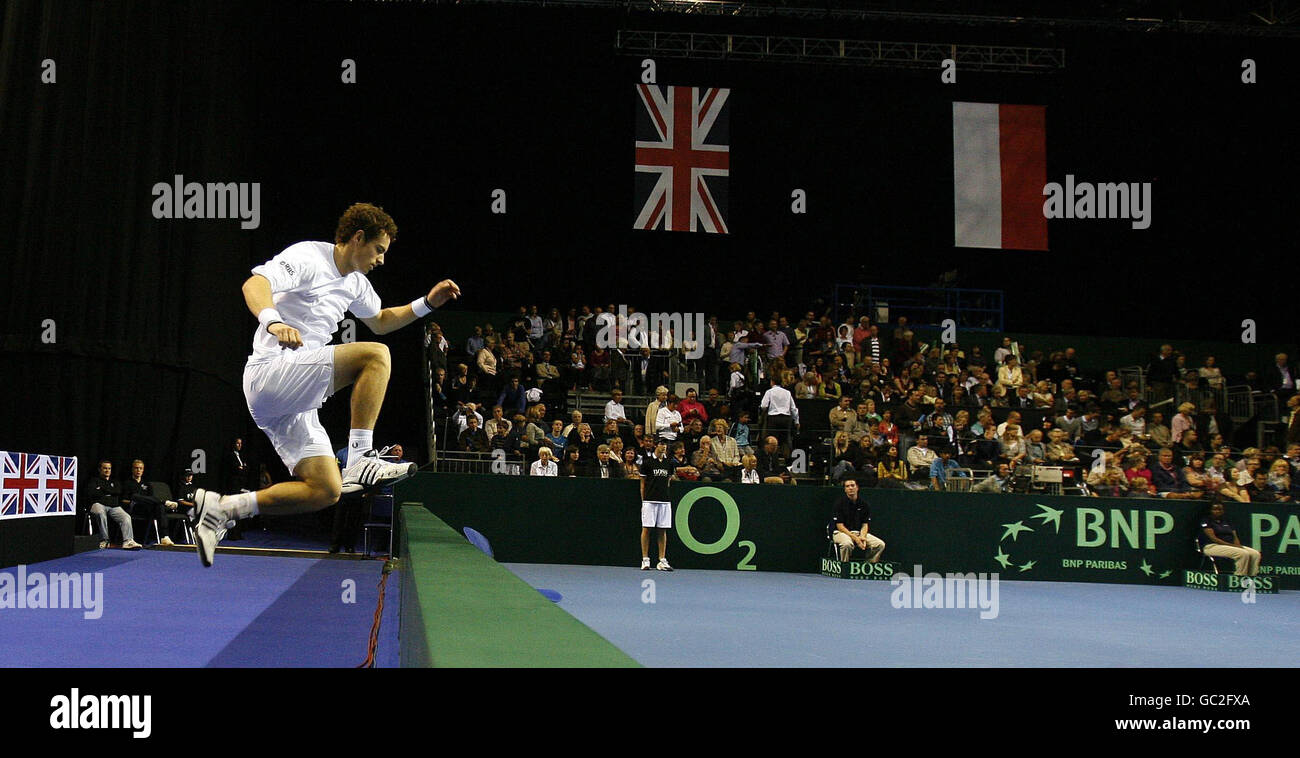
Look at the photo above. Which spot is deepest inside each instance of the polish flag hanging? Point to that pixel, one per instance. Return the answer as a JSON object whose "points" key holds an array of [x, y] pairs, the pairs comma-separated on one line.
{"points": [[999, 168]]}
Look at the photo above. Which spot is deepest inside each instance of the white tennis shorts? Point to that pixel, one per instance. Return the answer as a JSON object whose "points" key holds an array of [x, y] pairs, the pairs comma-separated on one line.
{"points": [[656, 513], [283, 394]]}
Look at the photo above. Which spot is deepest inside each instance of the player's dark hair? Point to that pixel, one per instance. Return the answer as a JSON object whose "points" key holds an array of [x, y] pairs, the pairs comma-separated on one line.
{"points": [[370, 219]]}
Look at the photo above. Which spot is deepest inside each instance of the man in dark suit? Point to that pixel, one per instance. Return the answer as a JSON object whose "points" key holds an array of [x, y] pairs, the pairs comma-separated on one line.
{"points": [[1280, 378], [236, 469]]}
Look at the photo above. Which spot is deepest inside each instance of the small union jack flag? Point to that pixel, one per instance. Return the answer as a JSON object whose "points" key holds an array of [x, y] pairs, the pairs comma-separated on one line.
{"points": [[37, 485], [682, 158]]}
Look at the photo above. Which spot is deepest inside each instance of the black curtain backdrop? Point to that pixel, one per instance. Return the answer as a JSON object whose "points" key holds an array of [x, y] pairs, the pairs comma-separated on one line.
{"points": [[453, 102]]}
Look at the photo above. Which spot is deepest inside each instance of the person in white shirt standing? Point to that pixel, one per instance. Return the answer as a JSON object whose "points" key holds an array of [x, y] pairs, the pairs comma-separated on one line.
{"points": [[782, 415], [299, 297]]}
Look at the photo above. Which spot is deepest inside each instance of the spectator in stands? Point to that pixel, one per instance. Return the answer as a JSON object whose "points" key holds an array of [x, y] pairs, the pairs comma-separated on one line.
{"points": [[668, 421], [1013, 447], [892, 470], [740, 431], [475, 343], [1219, 540], [1135, 422], [572, 465], [942, 467], [1168, 478], [707, 463], [842, 415], [1211, 374], [652, 409], [138, 498], [578, 368], [105, 497], [544, 465], [513, 398], [486, 361], [462, 388], [749, 473], [1111, 483], [691, 408], [690, 438], [772, 463], [852, 525], [631, 463], [605, 465], [527, 435], [1035, 449], [557, 439], [998, 482], [498, 421], [781, 415], [1071, 423], [583, 440], [887, 428], [614, 410], [1280, 378], [920, 456], [1183, 421], [1059, 451], [1162, 372], [473, 440], [724, 447], [504, 439]]}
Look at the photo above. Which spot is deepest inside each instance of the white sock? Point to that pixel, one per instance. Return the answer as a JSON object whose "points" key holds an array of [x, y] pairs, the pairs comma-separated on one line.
{"points": [[241, 506], [360, 442]]}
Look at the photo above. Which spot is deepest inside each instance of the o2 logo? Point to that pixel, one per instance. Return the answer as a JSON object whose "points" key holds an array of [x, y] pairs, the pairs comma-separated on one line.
{"points": [[729, 532]]}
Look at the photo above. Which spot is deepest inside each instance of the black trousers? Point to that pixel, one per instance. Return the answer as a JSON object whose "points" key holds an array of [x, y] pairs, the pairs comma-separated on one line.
{"points": [[779, 427]]}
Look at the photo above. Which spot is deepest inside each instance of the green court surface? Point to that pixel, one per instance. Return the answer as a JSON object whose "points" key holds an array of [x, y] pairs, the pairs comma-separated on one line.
{"points": [[463, 609]]}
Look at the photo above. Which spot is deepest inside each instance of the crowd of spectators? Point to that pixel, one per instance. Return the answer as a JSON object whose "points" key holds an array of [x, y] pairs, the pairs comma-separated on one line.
{"points": [[906, 414]]}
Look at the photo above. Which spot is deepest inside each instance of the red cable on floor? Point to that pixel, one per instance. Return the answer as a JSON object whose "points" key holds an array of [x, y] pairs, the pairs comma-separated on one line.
{"points": [[369, 662]]}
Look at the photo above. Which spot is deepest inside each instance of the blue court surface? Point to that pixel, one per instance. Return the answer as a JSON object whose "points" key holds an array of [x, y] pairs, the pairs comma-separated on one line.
{"points": [[163, 609], [757, 619]]}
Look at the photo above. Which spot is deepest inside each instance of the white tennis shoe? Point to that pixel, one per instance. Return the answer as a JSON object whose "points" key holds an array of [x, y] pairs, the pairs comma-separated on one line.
{"points": [[370, 472], [210, 520]]}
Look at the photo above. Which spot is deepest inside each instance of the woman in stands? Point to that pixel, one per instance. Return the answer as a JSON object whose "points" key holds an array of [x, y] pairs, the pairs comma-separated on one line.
{"points": [[829, 388], [1279, 475], [887, 428], [892, 470], [572, 465], [631, 469], [1013, 447], [1211, 374]]}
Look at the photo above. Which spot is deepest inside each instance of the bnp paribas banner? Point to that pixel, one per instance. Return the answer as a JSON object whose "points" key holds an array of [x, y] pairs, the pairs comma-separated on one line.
{"points": [[1135, 541], [769, 527]]}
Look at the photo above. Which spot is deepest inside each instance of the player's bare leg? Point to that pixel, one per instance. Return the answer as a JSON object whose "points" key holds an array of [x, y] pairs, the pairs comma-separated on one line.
{"points": [[366, 366]]}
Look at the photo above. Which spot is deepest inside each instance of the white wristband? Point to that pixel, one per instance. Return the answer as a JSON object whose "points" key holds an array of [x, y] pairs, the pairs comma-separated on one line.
{"points": [[421, 307], [268, 316]]}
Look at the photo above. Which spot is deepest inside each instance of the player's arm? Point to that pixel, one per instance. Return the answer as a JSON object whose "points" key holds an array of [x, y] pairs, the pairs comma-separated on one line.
{"points": [[257, 296], [392, 319]]}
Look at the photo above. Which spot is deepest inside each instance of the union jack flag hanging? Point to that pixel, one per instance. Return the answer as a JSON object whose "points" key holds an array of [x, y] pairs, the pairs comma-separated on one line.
{"points": [[37, 485], [683, 158]]}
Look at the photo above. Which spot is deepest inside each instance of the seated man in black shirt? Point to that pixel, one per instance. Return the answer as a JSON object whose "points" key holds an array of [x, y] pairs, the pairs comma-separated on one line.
{"points": [[852, 517], [105, 497], [771, 463], [138, 497]]}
